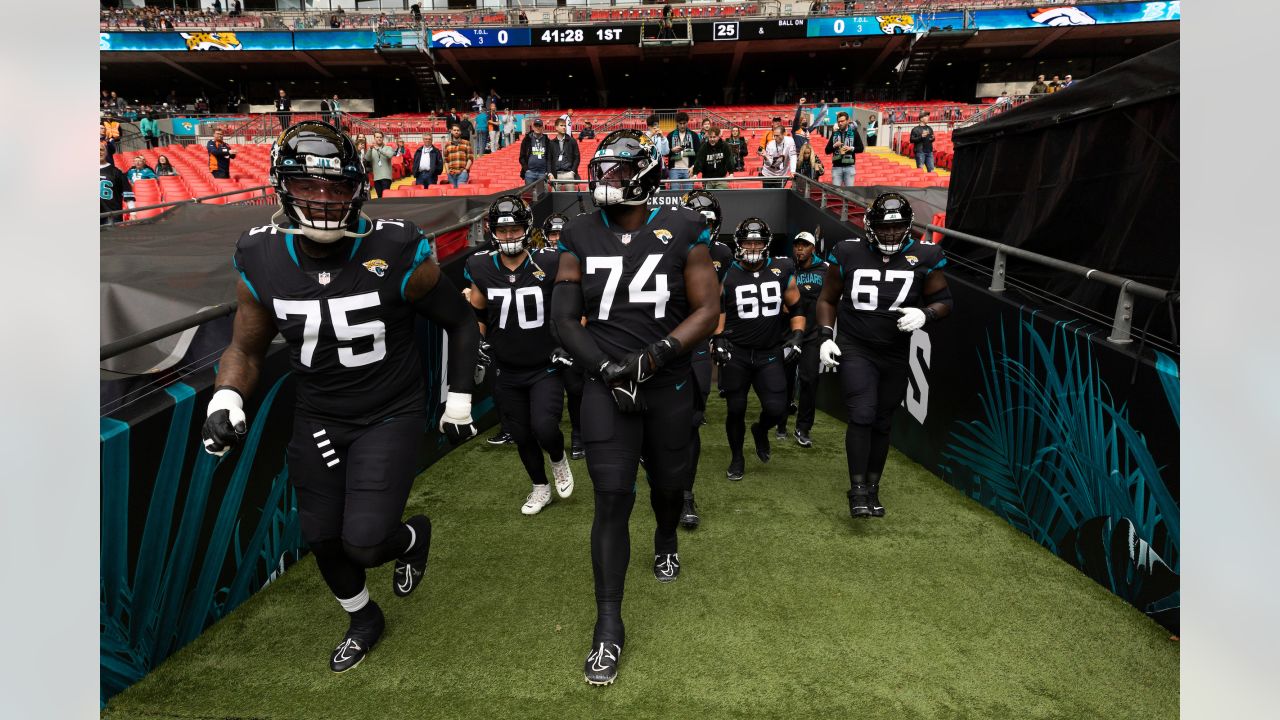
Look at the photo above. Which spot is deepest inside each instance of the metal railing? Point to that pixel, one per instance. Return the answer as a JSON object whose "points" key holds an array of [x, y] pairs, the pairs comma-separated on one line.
{"points": [[262, 199]]}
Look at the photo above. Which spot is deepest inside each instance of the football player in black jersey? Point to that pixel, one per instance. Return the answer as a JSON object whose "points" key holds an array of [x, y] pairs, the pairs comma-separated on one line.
{"points": [[760, 333], [810, 271], [511, 293], [343, 289], [644, 281], [721, 255], [880, 291], [573, 374]]}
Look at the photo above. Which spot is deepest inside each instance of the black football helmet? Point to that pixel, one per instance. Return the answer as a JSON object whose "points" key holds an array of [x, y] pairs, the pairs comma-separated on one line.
{"points": [[752, 230], [625, 169], [554, 223], [509, 210], [888, 223], [707, 204], [320, 180]]}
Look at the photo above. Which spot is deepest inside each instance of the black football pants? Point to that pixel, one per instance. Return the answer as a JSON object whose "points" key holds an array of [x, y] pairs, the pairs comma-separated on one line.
{"points": [[352, 483], [874, 383], [614, 443], [763, 370], [531, 402]]}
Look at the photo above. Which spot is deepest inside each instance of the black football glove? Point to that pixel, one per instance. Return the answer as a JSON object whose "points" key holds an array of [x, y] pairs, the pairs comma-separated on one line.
{"points": [[721, 351], [224, 426], [562, 358], [791, 346], [485, 357], [455, 421], [619, 377]]}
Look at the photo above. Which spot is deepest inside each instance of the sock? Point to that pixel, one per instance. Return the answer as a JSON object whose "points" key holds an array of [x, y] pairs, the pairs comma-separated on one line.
{"points": [[879, 452], [356, 602], [857, 447], [667, 505], [735, 427]]}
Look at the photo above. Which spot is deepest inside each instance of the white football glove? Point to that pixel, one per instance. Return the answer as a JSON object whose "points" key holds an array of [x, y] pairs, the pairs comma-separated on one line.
{"points": [[912, 319], [829, 353], [456, 421], [224, 425]]}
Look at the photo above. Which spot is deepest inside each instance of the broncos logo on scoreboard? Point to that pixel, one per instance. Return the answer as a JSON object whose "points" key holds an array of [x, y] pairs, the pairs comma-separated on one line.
{"points": [[1060, 16], [449, 38], [211, 41]]}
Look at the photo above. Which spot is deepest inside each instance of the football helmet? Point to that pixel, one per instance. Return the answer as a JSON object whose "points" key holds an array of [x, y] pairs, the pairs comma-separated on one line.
{"points": [[888, 223], [755, 232], [320, 181], [507, 211], [554, 223], [625, 169], [707, 204]]}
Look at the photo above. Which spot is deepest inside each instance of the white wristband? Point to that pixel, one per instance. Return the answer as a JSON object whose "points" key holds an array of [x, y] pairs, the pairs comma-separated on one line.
{"points": [[226, 399]]}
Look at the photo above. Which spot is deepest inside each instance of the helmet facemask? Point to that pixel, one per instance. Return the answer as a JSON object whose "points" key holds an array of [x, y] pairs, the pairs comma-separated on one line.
{"points": [[321, 207], [753, 249], [509, 243], [616, 181], [889, 237]]}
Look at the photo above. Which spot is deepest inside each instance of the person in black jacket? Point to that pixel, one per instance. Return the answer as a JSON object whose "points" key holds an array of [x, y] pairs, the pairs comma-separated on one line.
{"points": [[427, 171], [563, 156], [922, 141], [535, 158], [715, 160], [283, 106], [587, 132], [843, 147]]}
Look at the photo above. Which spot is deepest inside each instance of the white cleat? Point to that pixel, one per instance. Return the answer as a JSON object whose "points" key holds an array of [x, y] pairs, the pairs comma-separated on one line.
{"points": [[539, 498], [564, 476]]}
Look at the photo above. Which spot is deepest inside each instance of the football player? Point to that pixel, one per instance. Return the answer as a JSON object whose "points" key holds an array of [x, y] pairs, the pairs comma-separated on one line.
{"points": [[573, 375], [644, 281], [343, 289], [894, 287], [760, 334], [721, 255], [810, 271], [511, 292]]}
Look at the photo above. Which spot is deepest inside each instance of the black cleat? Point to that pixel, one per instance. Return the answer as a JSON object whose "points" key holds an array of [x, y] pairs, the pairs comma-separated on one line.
{"points": [[761, 436], [802, 438], [859, 505], [689, 515], [666, 566], [359, 640], [577, 450], [873, 500], [602, 662], [781, 433], [502, 438], [736, 466], [792, 408], [409, 569]]}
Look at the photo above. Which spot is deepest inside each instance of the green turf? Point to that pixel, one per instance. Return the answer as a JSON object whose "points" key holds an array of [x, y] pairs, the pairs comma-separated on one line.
{"points": [[785, 608]]}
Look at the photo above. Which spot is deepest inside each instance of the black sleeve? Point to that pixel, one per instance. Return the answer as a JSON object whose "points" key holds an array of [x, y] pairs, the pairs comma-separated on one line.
{"points": [[831, 144], [795, 121], [858, 145], [445, 306], [566, 324], [524, 154]]}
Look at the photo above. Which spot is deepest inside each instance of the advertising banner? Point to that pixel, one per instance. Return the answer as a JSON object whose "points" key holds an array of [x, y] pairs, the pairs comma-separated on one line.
{"points": [[1066, 15], [196, 41], [335, 40]]}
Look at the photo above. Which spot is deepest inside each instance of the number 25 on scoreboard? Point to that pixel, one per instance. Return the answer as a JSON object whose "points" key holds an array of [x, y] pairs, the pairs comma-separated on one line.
{"points": [[725, 30]]}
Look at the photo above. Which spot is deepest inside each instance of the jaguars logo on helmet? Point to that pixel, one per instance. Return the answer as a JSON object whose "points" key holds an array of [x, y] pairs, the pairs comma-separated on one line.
{"points": [[705, 203], [313, 160], [624, 170], [509, 211], [888, 223], [752, 231]]}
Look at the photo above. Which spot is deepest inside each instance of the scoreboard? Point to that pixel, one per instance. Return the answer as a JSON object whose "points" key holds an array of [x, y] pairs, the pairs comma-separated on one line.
{"points": [[588, 35]]}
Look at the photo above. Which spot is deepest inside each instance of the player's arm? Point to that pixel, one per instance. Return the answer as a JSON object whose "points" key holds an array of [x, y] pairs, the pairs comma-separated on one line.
{"points": [[825, 313], [567, 314], [238, 371], [702, 287], [435, 297], [937, 297], [479, 306], [791, 297]]}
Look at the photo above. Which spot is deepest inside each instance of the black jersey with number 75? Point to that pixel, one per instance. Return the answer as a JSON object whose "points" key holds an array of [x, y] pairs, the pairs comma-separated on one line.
{"points": [[633, 282], [876, 285]]}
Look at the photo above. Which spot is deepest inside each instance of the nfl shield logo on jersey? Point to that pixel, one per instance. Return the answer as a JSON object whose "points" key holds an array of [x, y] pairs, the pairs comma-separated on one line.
{"points": [[626, 238], [324, 278], [511, 278]]}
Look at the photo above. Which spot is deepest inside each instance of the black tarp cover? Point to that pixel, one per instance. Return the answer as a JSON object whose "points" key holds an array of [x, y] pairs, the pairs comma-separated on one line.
{"points": [[1088, 175]]}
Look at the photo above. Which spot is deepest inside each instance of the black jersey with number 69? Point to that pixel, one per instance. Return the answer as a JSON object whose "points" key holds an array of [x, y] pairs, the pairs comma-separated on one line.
{"points": [[517, 305], [876, 285], [345, 317], [633, 282], [755, 313]]}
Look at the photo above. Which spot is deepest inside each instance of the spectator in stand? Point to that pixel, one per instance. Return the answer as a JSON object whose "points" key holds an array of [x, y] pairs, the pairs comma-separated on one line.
{"points": [[164, 168], [493, 98], [565, 158], [416, 10], [118, 103], [233, 102], [283, 106], [457, 157], [113, 187], [922, 141], [1004, 102], [378, 159], [477, 102], [587, 132], [427, 162], [684, 151], [665, 31], [567, 117], [494, 124], [808, 163], [1055, 84], [524, 19], [1066, 83], [482, 133], [508, 127], [702, 133], [235, 9], [533, 154], [202, 104], [150, 131], [468, 129], [872, 122], [739, 145], [843, 147], [452, 118], [335, 110], [334, 22], [1039, 88], [140, 171], [107, 143], [105, 103], [220, 154], [217, 7], [779, 156], [655, 134], [715, 160]]}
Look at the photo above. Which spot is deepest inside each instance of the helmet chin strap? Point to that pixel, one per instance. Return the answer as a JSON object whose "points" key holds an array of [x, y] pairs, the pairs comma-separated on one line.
{"points": [[323, 236]]}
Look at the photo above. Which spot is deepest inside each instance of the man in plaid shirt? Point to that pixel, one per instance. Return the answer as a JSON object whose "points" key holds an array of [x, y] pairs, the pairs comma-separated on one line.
{"points": [[457, 156]]}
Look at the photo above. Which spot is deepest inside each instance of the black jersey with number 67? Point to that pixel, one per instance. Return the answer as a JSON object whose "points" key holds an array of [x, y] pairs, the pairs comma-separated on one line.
{"points": [[345, 317], [517, 305], [755, 313], [876, 285], [633, 282]]}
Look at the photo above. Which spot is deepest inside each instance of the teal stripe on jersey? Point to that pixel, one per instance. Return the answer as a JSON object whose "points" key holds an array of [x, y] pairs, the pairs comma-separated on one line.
{"points": [[562, 248], [419, 257], [244, 277]]}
